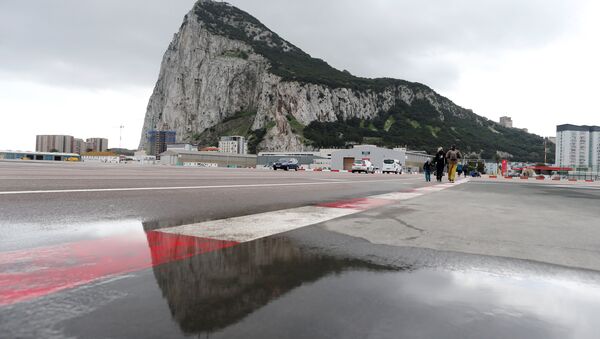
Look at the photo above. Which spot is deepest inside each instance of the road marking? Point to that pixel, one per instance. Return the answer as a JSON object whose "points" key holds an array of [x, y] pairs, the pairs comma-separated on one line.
{"points": [[28, 274], [128, 189], [540, 184], [32, 273], [256, 226], [359, 204], [399, 196]]}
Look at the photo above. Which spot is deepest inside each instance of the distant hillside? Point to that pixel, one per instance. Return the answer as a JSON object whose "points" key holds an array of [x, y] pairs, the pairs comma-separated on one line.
{"points": [[226, 73]]}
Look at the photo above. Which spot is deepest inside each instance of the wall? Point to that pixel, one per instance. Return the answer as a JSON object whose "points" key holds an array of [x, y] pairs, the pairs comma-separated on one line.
{"points": [[375, 154]]}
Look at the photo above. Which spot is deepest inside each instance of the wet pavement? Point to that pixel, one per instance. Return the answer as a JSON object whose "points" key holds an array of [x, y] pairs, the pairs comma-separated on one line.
{"points": [[97, 265], [311, 283]]}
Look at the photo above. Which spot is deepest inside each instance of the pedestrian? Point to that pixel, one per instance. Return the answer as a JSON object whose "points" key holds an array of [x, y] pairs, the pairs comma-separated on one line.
{"points": [[427, 170], [440, 164], [452, 157], [466, 169], [459, 169]]}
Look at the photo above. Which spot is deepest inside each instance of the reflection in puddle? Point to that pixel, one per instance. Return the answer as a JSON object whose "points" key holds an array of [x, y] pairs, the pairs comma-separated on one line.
{"points": [[25, 236], [272, 288], [209, 292]]}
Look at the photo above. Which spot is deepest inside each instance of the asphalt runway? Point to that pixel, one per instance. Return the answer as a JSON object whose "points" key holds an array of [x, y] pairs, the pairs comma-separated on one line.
{"points": [[165, 252]]}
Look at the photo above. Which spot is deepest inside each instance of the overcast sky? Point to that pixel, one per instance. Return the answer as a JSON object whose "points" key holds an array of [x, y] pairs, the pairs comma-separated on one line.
{"points": [[85, 67]]}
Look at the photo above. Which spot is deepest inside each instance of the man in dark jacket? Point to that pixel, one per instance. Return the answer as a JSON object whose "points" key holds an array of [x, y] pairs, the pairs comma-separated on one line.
{"points": [[440, 164]]}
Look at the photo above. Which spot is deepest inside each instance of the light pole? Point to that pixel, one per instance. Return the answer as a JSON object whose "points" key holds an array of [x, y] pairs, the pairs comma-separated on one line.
{"points": [[121, 135]]}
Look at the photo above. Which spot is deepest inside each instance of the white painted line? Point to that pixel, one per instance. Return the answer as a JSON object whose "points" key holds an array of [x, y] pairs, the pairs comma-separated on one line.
{"points": [[256, 226], [398, 196], [128, 189]]}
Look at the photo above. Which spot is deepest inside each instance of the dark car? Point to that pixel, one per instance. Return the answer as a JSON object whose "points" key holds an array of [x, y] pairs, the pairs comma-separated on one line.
{"points": [[286, 164]]}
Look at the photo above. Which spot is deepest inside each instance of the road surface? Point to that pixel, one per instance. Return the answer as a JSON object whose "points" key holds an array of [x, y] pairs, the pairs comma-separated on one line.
{"points": [[128, 251]]}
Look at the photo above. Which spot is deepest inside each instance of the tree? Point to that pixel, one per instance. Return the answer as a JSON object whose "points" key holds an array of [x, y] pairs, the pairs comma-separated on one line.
{"points": [[54, 150]]}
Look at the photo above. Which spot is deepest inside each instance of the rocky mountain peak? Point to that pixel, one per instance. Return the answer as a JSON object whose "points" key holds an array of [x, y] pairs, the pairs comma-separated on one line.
{"points": [[224, 19], [225, 73]]}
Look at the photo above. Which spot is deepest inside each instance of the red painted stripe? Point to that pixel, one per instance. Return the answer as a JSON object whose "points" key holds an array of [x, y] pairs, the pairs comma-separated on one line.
{"points": [[359, 203], [37, 272]]}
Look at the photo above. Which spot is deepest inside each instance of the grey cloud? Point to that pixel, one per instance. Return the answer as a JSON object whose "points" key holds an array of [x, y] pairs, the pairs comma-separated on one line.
{"points": [[102, 43], [415, 40], [91, 43]]}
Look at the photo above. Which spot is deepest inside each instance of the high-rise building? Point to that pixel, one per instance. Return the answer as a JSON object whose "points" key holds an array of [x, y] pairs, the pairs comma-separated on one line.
{"points": [[578, 146], [506, 122], [54, 143], [79, 146], [158, 141], [233, 144], [97, 144]]}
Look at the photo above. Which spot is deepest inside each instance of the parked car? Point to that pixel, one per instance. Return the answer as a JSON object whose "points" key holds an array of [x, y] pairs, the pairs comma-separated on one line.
{"points": [[286, 164], [363, 166], [391, 166]]}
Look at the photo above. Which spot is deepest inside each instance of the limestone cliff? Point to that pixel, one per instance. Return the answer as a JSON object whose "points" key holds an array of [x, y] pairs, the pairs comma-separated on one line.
{"points": [[226, 73]]}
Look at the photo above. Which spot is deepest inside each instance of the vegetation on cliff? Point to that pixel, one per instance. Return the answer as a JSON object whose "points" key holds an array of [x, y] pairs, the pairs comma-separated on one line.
{"points": [[418, 125]]}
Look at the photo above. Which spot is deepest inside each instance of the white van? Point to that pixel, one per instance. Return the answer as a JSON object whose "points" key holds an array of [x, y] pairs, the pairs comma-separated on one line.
{"points": [[391, 166]]}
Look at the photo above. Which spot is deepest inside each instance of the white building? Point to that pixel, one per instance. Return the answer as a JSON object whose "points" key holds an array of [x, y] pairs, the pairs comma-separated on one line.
{"points": [[342, 159], [578, 146], [506, 122], [233, 144], [143, 158], [103, 159], [184, 147]]}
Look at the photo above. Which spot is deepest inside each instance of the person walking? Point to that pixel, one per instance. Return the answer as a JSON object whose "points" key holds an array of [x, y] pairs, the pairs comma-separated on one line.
{"points": [[453, 156], [466, 169], [427, 170], [459, 169], [440, 164]]}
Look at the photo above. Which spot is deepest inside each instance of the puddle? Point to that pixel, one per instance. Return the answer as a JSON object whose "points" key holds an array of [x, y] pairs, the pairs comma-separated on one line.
{"points": [[271, 288], [23, 236], [289, 287]]}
